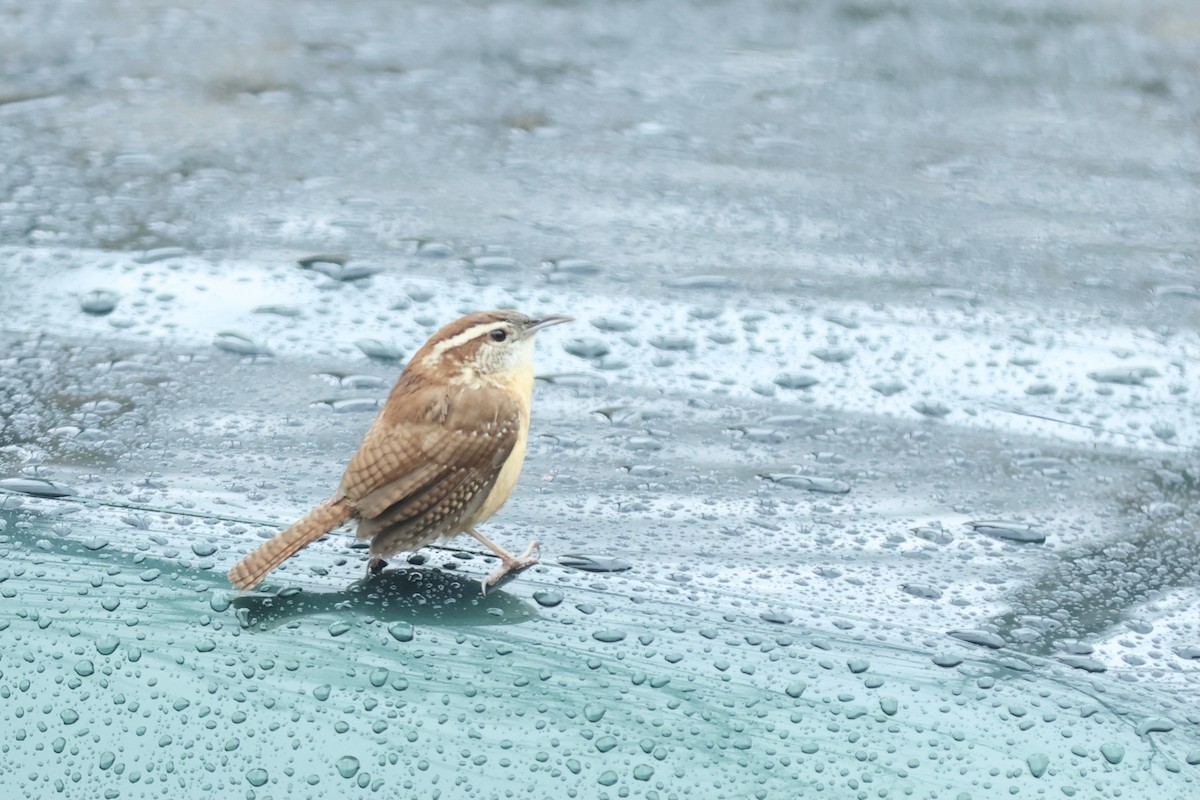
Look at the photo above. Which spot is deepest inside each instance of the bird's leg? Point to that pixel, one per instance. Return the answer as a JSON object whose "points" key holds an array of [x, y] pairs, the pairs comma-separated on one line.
{"points": [[510, 565], [375, 566]]}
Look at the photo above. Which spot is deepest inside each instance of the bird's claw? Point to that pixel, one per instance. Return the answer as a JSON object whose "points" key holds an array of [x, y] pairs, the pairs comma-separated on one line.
{"points": [[510, 568], [375, 566]]}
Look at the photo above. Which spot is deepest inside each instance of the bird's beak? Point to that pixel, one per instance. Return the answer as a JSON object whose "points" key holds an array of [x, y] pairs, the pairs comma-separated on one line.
{"points": [[545, 322]]}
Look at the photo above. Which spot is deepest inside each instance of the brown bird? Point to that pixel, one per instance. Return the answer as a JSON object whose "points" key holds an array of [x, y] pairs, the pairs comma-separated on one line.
{"points": [[442, 456]]}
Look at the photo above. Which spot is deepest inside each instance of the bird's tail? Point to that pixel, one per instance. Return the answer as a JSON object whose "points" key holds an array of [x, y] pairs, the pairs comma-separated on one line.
{"points": [[251, 570]]}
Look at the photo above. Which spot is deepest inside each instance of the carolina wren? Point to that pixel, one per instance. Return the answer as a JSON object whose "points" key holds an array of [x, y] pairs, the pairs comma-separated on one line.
{"points": [[442, 456]]}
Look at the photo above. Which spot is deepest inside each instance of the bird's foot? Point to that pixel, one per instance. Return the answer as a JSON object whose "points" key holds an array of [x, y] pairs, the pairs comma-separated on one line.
{"points": [[510, 567], [375, 566]]}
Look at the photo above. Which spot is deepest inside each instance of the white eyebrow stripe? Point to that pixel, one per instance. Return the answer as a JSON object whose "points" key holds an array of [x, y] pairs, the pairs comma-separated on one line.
{"points": [[459, 339]]}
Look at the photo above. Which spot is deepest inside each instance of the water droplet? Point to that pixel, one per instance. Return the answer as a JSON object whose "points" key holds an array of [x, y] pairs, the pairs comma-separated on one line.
{"points": [[673, 343], [431, 249], [1177, 290], [347, 273], [810, 483], [610, 325], [582, 380], [1163, 430], [495, 263], [586, 347], [609, 636], [648, 471], [99, 302], [84, 668], [548, 598], [1010, 531], [278, 310], [888, 388], [593, 712], [351, 405], [922, 590], [858, 665], [573, 266], [833, 355], [644, 444], [1085, 663], [381, 351], [848, 321], [795, 380], [35, 487], [889, 706], [1038, 762], [643, 772], [107, 644], [983, 638], [360, 381], [947, 660], [321, 259], [95, 543], [401, 631], [203, 549], [776, 617], [232, 342], [931, 408], [154, 255], [256, 777], [702, 282], [795, 688], [347, 766], [610, 364], [607, 778], [1155, 725], [338, 628], [1112, 752], [593, 563], [1126, 376], [961, 295], [322, 692]]}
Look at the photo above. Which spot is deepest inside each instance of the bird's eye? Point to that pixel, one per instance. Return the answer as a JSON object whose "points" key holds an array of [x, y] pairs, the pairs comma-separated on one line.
{"points": [[499, 335]]}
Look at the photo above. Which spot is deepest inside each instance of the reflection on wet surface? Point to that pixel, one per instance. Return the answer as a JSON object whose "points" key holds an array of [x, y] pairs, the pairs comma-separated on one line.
{"points": [[868, 471], [414, 596]]}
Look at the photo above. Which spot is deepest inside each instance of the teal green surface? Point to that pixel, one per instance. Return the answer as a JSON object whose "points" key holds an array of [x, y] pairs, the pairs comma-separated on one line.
{"points": [[131, 671]]}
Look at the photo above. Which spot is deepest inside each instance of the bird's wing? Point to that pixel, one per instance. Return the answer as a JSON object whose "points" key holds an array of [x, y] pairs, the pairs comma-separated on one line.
{"points": [[433, 450]]}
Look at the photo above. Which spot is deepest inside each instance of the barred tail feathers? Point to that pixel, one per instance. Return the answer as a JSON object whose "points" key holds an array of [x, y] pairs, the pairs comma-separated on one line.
{"points": [[251, 570]]}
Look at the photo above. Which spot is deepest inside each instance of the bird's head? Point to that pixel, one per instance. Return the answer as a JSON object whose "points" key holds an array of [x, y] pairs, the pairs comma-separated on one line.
{"points": [[485, 345]]}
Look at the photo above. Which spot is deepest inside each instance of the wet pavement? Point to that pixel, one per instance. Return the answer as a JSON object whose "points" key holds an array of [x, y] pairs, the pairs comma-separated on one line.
{"points": [[868, 468]]}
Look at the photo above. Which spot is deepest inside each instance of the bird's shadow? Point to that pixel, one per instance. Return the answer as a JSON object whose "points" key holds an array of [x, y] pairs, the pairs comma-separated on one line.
{"points": [[425, 596]]}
